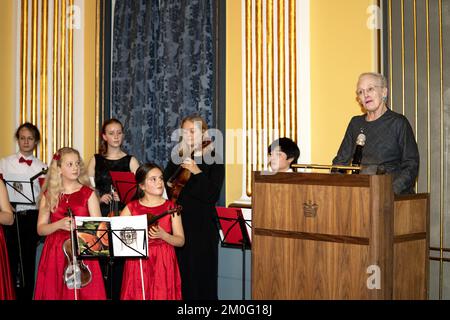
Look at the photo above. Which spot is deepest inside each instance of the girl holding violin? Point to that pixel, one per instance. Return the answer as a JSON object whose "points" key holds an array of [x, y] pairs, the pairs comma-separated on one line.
{"points": [[6, 218], [66, 190], [110, 157], [197, 194], [158, 277]]}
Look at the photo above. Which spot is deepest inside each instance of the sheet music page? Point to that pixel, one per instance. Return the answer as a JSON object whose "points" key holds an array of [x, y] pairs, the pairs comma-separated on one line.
{"points": [[130, 234], [19, 188]]}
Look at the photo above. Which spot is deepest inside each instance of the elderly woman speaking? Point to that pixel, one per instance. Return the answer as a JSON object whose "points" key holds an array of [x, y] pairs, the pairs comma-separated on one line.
{"points": [[380, 138]]}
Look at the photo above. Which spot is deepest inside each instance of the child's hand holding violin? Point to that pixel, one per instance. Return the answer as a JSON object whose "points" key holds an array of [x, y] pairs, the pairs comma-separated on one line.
{"points": [[64, 224], [155, 232], [107, 197]]}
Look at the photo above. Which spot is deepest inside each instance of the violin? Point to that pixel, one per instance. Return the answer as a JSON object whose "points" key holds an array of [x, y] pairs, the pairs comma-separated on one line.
{"points": [[181, 176], [76, 274], [113, 212], [113, 205], [153, 219]]}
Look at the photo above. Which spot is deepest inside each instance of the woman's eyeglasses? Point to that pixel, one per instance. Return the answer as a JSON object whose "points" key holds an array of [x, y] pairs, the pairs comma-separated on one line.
{"points": [[369, 90]]}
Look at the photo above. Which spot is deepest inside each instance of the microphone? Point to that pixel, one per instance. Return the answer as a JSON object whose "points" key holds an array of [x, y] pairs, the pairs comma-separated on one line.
{"points": [[357, 156]]}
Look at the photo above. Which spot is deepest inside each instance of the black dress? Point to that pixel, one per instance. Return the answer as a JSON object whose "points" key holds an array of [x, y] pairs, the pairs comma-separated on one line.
{"points": [[103, 180], [112, 273], [198, 258]]}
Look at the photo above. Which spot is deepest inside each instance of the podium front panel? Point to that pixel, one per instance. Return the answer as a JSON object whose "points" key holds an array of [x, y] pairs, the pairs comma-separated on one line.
{"points": [[323, 232], [323, 236]]}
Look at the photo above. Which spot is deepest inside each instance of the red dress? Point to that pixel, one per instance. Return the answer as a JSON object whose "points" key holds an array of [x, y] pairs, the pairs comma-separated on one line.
{"points": [[6, 284], [50, 278], [160, 274]]}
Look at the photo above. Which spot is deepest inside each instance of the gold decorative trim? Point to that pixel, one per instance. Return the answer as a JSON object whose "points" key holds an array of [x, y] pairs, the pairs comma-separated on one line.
{"points": [[56, 98], [263, 103], [24, 63], [97, 72], [293, 70], [270, 72], [102, 34], [281, 70], [62, 75], [34, 62], [249, 93], [380, 58], [70, 83], [44, 80], [259, 85]]}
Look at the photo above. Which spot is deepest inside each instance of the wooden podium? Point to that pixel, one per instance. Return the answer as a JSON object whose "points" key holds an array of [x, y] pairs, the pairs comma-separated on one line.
{"points": [[332, 236]]}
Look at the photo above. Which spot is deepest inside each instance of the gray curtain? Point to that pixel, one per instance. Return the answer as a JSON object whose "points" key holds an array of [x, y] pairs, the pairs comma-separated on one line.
{"points": [[163, 70]]}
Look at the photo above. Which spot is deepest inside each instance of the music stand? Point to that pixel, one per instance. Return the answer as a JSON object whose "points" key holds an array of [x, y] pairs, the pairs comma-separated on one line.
{"points": [[101, 236], [21, 190], [93, 236], [125, 184], [233, 234]]}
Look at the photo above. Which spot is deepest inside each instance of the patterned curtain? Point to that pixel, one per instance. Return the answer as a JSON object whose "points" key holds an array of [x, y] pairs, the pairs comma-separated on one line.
{"points": [[163, 70]]}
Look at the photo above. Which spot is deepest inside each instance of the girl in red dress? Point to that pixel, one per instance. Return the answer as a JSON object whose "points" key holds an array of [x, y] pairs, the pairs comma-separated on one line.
{"points": [[66, 186], [158, 276], [6, 218]]}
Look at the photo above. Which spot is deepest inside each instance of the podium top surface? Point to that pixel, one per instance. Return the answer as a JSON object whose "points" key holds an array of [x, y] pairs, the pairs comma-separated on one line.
{"points": [[334, 179]]}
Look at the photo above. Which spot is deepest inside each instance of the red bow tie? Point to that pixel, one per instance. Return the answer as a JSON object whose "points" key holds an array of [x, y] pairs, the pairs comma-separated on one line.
{"points": [[28, 162]]}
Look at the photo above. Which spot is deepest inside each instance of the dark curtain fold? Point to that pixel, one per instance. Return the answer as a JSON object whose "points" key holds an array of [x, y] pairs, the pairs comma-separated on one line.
{"points": [[163, 70]]}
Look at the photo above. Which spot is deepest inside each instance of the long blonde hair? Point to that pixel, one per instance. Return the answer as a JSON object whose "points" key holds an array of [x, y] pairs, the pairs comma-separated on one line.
{"points": [[53, 187], [194, 118]]}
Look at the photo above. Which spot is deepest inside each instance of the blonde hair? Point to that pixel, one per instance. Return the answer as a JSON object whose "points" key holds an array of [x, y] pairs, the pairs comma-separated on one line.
{"points": [[53, 187], [194, 118]]}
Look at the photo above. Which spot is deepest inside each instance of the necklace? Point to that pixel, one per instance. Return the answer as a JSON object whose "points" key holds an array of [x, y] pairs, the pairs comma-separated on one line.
{"points": [[66, 197]]}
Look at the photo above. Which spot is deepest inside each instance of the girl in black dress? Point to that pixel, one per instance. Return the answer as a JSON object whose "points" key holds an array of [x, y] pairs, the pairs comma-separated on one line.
{"points": [[111, 157], [198, 258]]}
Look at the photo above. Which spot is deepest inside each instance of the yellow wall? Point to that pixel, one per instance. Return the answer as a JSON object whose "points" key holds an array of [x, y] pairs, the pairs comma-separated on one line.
{"points": [[7, 88], [7, 80], [234, 116], [342, 47]]}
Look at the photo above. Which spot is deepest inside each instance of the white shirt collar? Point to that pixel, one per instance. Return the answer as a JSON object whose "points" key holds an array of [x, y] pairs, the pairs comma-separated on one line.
{"points": [[19, 154]]}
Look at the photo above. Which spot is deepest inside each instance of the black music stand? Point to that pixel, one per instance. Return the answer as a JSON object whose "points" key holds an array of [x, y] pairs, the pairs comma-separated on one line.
{"points": [[21, 191], [99, 248], [125, 184], [234, 234]]}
